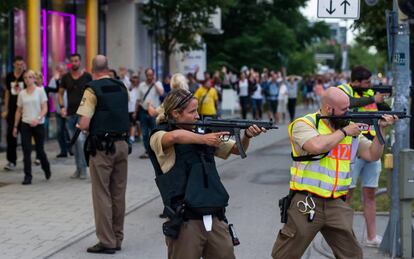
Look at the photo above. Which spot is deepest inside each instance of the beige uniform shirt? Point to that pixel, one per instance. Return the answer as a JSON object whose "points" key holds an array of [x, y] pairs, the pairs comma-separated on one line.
{"points": [[302, 132], [88, 103], [166, 158]]}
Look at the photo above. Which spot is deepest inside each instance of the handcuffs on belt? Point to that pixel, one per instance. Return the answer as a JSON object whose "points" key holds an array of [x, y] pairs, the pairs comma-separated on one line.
{"points": [[307, 206]]}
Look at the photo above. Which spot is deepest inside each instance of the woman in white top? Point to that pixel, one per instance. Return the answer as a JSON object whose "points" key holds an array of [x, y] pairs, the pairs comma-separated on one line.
{"points": [[32, 109], [257, 99], [243, 92]]}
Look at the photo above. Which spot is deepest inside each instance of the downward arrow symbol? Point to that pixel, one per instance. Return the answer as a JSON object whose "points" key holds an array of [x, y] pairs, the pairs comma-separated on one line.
{"points": [[330, 11]]}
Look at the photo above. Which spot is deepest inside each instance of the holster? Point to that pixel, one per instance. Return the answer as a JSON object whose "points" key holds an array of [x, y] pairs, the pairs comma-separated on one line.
{"points": [[172, 227], [284, 204]]}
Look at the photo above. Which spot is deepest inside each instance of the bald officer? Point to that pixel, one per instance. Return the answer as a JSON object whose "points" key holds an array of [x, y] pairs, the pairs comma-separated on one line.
{"points": [[104, 113]]}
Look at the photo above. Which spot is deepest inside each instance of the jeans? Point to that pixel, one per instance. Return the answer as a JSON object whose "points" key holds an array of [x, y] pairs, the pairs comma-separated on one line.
{"points": [[257, 108], [292, 108], [62, 134], [147, 125], [38, 133], [11, 141], [78, 146]]}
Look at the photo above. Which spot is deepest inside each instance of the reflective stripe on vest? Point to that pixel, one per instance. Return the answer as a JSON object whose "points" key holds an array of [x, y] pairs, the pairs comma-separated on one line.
{"points": [[368, 108], [347, 89], [328, 177]]}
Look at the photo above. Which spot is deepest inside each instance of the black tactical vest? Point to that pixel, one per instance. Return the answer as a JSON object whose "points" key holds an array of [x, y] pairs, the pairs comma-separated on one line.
{"points": [[111, 112], [193, 180]]}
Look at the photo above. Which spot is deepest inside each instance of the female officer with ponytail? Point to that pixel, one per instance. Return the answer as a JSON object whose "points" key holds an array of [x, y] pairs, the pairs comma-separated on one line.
{"points": [[187, 177]]}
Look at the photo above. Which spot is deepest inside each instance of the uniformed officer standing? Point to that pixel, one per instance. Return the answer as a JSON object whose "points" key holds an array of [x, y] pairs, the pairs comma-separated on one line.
{"points": [[364, 99], [104, 113], [323, 152], [187, 177]]}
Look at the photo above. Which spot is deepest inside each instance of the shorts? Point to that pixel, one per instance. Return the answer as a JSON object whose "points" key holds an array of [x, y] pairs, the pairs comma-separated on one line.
{"points": [[273, 105], [368, 171], [132, 121]]}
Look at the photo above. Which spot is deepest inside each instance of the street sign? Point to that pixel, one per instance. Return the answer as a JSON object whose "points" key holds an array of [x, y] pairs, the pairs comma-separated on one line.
{"points": [[339, 9]]}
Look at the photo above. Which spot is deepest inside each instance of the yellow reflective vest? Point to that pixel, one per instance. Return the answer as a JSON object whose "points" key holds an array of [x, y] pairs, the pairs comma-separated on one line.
{"points": [[329, 176], [370, 107]]}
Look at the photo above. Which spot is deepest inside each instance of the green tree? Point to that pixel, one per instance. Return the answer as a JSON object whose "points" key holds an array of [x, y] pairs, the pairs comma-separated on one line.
{"points": [[265, 34], [372, 25], [177, 23], [359, 54]]}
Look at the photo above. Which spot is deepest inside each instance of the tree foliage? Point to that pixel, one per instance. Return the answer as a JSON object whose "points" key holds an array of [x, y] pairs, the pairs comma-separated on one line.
{"points": [[372, 25], [264, 34], [176, 23]]}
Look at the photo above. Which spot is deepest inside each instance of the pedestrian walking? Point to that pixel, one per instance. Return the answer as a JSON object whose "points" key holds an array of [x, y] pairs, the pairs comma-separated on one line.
{"points": [[14, 85], [320, 181], [62, 134], [32, 109], [208, 100], [243, 92], [74, 83], [292, 85], [149, 91], [104, 113], [197, 225]]}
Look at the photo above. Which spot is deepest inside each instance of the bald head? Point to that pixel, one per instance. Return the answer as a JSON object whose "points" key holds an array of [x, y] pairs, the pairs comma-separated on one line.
{"points": [[99, 64], [334, 98]]}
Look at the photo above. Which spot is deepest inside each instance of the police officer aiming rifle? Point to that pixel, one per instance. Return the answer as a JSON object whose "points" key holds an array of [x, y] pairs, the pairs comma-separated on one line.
{"points": [[320, 177], [186, 175]]}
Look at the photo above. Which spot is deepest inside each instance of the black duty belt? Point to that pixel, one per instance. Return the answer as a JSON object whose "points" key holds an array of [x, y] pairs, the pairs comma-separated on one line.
{"points": [[343, 197], [191, 214]]}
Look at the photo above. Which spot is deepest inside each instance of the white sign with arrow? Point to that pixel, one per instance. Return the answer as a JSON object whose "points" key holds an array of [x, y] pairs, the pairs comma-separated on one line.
{"points": [[339, 9]]}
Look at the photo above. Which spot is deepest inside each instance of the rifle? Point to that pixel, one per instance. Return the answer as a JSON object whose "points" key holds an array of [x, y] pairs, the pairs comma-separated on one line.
{"points": [[383, 89], [231, 125], [370, 118]]}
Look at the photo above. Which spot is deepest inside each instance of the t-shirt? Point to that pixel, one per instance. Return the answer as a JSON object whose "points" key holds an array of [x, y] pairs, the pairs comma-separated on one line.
{"points": [[14, 86], [133, 93], [31, 104], [152, 96], [273, 91], [302, 132], [74, 89], [208, 105], [244, 88], [166, 158]]}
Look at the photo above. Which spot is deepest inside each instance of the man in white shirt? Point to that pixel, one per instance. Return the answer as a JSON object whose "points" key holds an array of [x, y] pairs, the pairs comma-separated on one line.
{"points": [[149, 91]]}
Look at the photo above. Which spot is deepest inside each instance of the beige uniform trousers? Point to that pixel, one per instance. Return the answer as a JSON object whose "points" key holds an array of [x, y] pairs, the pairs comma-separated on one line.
{"points": [[195, 242], [333, 219], [109, 180]]}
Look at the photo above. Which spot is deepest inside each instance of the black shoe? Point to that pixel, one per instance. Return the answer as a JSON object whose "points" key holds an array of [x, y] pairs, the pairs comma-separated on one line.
{"points": [[70, 152], [48, 174], [61, 155], [100, 249], [118, 248], [163, 216], [26, 182]]}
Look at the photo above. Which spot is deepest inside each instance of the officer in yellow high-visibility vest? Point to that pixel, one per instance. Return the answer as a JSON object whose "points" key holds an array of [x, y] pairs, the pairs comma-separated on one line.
{"points": [[323, 151], [368, 171]]}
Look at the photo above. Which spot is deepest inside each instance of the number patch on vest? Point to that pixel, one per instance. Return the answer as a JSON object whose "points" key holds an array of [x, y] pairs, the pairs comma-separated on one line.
{"points": [[341, 152]]}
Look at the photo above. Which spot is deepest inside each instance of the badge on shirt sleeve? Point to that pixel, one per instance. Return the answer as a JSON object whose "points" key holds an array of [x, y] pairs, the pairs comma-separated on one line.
{"points": [[83, 101]]}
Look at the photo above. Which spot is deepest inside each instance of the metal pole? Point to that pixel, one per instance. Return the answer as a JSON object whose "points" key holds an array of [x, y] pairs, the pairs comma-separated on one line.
{"points": [[400, 56]]}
